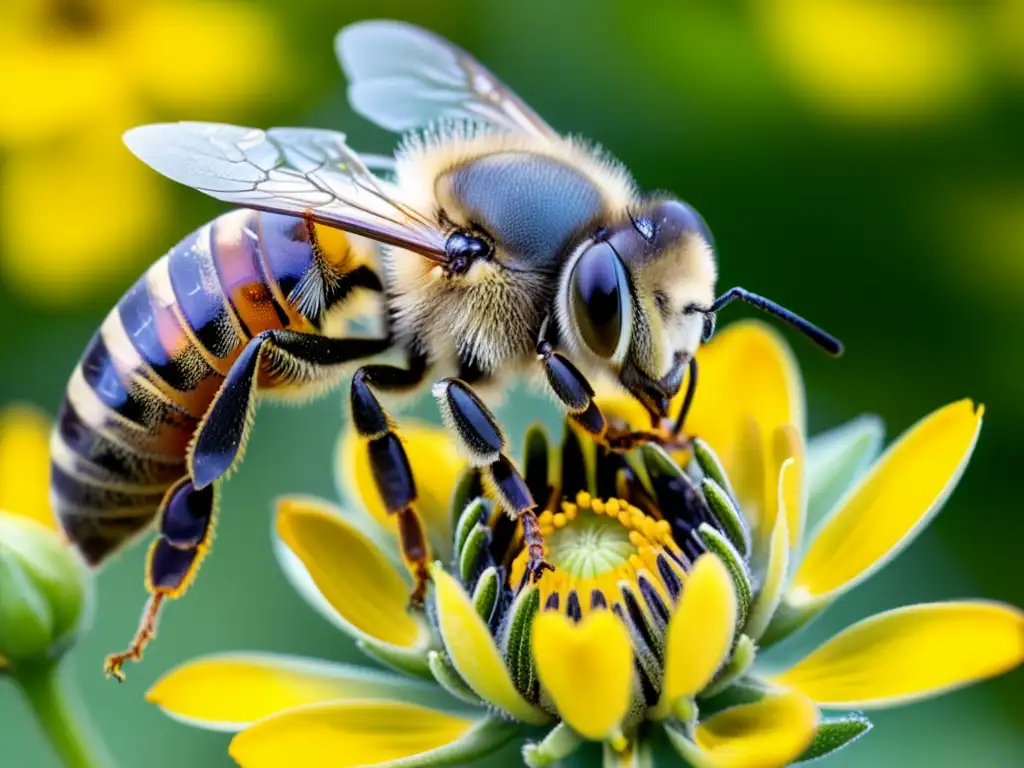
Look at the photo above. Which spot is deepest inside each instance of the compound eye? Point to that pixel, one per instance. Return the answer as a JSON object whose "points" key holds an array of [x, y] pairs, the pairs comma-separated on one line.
{"points": [[600, 301]]}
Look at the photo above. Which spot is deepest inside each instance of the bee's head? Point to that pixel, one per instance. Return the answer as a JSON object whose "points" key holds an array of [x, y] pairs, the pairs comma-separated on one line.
{"points": [[626, 298]]}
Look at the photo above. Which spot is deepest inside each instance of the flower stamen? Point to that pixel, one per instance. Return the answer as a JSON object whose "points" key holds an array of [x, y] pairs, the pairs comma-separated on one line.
{"points": [[602, 549]]}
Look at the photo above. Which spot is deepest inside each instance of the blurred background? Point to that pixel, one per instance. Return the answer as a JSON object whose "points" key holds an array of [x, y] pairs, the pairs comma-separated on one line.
{"points": [[859, 161]]}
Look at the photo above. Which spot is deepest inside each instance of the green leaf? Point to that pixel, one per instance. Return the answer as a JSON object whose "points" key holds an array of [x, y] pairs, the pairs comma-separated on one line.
{"points": [[835, 734], [834, 461]]}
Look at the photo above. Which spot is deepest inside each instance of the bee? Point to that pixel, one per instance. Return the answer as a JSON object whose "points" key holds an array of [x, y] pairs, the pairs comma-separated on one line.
{"points": [[494, 246]]}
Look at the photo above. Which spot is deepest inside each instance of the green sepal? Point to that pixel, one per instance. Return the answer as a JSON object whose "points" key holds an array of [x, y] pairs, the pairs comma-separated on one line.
{"points": [[485, 595], [637, 755], [45, 591], [473, 514], [709, 462], [739, 664], [745, 690], [719, 544], [412, 661], [560, 742], [479, 741], [469, 555], [26, 622], [790, 617], [448, 677], [518, 652], [468, 487], [835, 734], [728, 516], [835, 459]]}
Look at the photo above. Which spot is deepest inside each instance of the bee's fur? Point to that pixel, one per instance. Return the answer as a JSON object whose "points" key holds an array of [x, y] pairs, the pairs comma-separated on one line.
{"points": [[491, 315]]}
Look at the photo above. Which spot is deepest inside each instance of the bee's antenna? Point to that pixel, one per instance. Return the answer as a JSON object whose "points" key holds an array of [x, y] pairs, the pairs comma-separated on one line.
{"points": [[826, 341]]}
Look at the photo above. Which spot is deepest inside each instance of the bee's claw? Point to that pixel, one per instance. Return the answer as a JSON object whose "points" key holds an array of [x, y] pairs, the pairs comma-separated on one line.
{"points": [[419, 592], [535, 569], [112, 666]]}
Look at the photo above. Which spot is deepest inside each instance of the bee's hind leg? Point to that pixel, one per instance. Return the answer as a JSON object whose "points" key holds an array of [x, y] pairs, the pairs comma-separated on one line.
{"points": [[186, 522], [389, 463], [484, 443]]}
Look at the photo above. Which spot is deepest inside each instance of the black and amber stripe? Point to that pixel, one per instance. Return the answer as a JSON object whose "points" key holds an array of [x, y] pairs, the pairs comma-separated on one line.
{"points": [[152, 370]]}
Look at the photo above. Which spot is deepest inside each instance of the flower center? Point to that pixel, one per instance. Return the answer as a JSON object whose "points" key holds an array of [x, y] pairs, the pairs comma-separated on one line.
{"points": [[592, 546], [605, 553]]}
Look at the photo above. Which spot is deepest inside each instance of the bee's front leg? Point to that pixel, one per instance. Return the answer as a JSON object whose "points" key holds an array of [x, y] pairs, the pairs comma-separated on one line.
{"points": [[389, 463], [577, 397], [485, 444]]}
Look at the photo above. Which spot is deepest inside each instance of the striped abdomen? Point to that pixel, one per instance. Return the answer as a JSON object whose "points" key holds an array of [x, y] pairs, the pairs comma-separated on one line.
{"points": [[152, 370]]}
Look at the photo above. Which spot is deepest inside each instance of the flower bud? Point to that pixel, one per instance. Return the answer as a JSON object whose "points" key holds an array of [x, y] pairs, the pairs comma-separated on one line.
{"points": [[44, 591]]}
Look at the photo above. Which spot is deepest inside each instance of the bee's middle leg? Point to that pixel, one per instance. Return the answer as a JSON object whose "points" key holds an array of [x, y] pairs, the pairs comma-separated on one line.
{"points": [[389, 463], [484, 443]]}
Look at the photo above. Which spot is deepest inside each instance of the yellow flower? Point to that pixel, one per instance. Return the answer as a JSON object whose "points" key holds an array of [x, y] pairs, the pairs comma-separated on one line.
{"points": [[663, 584], [889, 62], [43, 585], [75, 206]]}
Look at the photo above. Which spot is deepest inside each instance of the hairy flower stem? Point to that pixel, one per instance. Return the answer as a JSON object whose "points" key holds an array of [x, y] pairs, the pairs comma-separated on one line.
{"points": [[61, 716]]}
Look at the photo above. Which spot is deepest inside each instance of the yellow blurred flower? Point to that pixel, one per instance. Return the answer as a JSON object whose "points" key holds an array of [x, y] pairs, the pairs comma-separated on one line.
{"points": [[880, 62], [75, 206], [25, 464], [668, 572]]}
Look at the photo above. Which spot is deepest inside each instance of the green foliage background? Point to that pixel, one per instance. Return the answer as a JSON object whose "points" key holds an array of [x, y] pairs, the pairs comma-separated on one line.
{"points": [[902, 236]]}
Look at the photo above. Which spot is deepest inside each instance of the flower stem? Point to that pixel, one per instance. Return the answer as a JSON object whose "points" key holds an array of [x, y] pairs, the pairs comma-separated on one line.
{"points": [[61, 716]]}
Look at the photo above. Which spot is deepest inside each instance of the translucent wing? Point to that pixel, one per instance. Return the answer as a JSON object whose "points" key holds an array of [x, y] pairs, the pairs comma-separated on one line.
{"points": [[403, 77], [301, 171]]}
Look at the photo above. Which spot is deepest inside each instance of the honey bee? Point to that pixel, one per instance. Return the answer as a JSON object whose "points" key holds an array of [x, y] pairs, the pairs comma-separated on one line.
{"points": [[498, 247]]}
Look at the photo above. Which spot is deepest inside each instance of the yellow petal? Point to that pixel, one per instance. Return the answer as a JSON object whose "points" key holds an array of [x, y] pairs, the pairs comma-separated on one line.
{"points": [[891, 504], [25, 464], [350, 571], [700, 631], [346, 734], [767, 734], [436, 465], [231, 691], [791, 491], [587, 669], [473, 652], [761, 503], [211, 72], [770, 594], [911, 653], [746, 370]]}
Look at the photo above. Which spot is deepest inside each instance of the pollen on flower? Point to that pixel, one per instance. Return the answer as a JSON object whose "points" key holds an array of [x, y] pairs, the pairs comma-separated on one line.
{"points": [[598, 547]]}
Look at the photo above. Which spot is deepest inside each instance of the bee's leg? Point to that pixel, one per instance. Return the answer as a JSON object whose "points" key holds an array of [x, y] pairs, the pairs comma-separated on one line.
{"points": [[294, 358], [389, 464], [577, 397], [186, 521], [484, 443]]}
